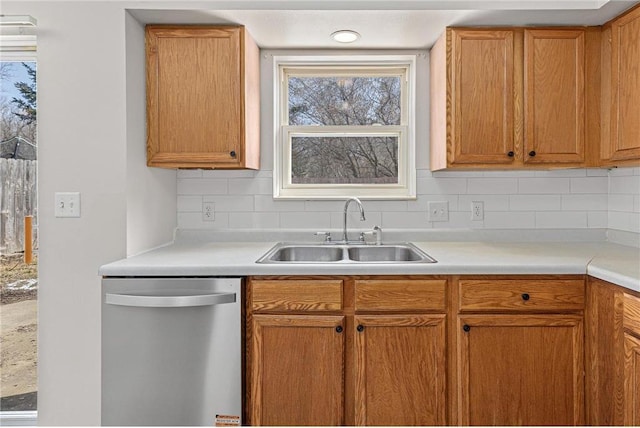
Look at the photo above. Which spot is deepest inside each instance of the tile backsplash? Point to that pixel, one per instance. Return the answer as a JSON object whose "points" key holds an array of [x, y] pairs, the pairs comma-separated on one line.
{"points": [[575, 198], [624, 199]]}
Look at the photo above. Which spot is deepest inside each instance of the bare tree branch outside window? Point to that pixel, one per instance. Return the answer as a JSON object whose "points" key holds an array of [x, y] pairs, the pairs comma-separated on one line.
{"points": [[344, 101]]}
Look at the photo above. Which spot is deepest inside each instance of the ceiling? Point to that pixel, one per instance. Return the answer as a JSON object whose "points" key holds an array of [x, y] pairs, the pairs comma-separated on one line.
{"points": [[410, 24]]}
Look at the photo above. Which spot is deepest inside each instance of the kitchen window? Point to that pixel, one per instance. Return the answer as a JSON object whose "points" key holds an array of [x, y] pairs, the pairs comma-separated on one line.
{"points": [[344, 127]]}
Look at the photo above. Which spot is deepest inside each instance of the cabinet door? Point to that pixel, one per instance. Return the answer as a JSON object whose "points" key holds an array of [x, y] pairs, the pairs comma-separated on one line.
{"points": [[625, 87], [631, 380], [296, 366], [194, 96], [631, 362], [554, 96], [400, 370], [483, 97], [521, 370]]}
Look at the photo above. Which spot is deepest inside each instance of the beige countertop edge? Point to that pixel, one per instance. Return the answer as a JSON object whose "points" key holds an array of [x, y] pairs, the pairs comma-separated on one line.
{"points": [[610, 262]]}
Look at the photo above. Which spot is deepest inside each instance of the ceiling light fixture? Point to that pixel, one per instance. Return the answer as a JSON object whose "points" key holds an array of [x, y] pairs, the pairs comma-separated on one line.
{"points": [[345, 36]]}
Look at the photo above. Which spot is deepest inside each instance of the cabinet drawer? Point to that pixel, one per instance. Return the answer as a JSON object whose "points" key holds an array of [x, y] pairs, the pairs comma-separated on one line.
{"points": [[521, 295], [296, 295], [631, 319], [400, 295]]}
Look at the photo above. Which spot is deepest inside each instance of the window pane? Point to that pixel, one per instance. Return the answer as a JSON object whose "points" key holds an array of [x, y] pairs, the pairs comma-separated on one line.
{"points": [[344, 100], [18, 279], [344, 160]]}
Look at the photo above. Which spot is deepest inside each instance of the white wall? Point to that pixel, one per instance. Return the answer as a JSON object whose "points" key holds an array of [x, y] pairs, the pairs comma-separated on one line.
{"points": [[83, 113], [512, 199], [151, 192]]}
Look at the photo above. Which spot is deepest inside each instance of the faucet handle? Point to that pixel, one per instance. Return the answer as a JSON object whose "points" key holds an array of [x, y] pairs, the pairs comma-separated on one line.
{"points": [[377, 230], [327, 236]]}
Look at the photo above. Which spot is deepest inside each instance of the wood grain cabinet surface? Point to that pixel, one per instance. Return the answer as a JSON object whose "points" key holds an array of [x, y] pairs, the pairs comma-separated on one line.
{"points": [[203, 97], [400, 370], [520, 350], [298, 370], [380, 350], [521, 369], [613, 354], [438, 350], [554, 96], [621, 90], [631, 364], [514, 98]]}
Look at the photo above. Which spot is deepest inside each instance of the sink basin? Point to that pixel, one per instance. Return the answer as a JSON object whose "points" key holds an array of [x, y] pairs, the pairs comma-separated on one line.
{"points": [[389, 253], [345, 253], [306, 253]]}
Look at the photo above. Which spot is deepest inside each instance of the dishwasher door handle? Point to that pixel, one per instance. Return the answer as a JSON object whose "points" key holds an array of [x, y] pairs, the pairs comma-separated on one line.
{"points": [[169, 301]]}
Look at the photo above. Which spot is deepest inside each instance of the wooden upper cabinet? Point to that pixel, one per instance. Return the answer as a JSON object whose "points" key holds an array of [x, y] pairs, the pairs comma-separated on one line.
{"points": [[621, 89], [472, 101], [482, 96], [202, 97], [554, 94], [514, 98]]}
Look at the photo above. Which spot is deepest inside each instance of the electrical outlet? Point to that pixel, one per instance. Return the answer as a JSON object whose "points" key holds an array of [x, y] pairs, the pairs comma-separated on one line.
{"points": [[67, 204], [208, 212], [477, 210], [438, 211]]}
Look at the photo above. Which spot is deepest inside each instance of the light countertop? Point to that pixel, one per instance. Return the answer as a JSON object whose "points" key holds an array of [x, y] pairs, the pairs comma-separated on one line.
{"points": [[610, 262]]}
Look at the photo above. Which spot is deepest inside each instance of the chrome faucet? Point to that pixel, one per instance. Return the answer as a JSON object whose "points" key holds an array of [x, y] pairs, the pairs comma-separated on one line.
{"points": [[346, 207]]}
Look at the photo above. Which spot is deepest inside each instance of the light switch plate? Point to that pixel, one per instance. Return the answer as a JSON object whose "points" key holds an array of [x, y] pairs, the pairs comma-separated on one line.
{"points": [[67, 204], [438, 211]]}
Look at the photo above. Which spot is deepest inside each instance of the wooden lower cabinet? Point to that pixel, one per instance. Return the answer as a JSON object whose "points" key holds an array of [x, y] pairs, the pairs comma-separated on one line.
{"points": [[613, 354], [631, 380], [521, 370], [631, 361], [346, 351], [400, 370], [297, 364], [438, 350]]}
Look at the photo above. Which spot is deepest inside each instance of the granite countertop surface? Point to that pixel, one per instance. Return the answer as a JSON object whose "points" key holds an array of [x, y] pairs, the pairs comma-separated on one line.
{"points": [[607, 261]]}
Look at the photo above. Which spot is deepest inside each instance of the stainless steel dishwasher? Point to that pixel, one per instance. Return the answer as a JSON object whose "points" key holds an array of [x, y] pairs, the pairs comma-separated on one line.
{"points": [[171, 351]]}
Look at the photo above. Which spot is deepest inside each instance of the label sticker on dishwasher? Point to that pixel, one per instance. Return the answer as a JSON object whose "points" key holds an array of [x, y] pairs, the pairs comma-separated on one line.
{"points": [[227, 421]]}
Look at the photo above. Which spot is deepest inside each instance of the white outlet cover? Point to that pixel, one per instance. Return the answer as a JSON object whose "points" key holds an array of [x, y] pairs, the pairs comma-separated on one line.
{"points": [[208, 211], [477, 210]]}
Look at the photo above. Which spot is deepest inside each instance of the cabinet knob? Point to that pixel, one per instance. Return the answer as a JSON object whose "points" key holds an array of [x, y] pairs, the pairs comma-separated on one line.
{"points": [[339, 329], [360, 328], [232, 153], [532, 153], [466, 327], [525, 296], [510, 154]]}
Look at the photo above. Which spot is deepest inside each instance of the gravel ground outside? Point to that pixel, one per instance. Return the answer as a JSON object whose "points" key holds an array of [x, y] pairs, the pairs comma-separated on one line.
{"points": [[18, 333]]}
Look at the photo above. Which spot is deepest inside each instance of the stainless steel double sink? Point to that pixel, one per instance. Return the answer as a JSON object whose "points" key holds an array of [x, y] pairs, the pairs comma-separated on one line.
{"points": [[345, 253]]}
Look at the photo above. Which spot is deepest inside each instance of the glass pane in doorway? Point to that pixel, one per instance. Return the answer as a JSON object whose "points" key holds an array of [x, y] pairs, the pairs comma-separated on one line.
{"points": [[18, 259]]}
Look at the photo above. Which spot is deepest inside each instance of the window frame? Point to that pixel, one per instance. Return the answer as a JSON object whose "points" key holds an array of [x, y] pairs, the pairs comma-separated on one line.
{"points": [[336, 65]]}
